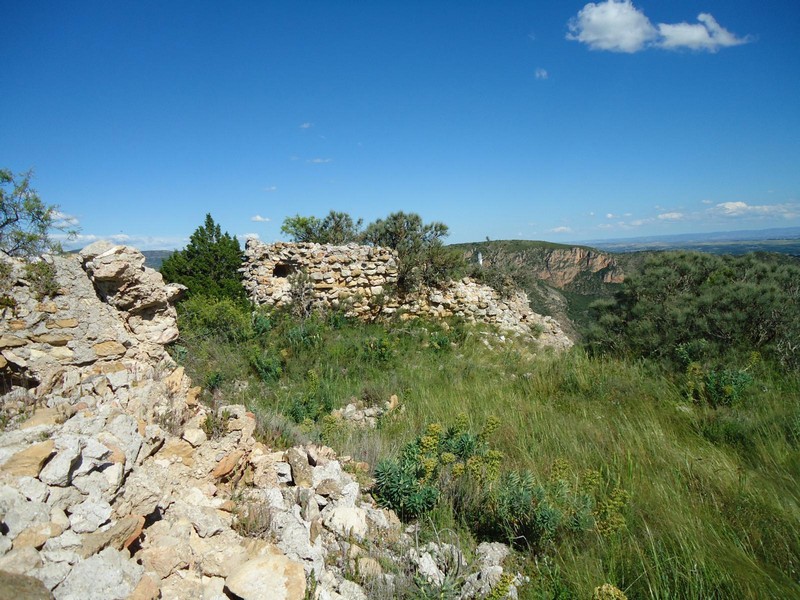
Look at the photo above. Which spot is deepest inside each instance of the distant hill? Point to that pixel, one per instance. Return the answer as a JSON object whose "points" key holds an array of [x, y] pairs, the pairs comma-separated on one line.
{"points": [[784, 240], [154, 258]]}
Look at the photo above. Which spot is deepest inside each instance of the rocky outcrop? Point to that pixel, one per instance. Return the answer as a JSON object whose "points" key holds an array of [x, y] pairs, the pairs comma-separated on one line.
{"points": [[112, 487], [563, 266], [359, 280]]}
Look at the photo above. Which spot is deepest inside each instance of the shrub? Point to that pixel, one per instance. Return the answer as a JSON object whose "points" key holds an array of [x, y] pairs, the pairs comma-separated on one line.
{"points": [[735, 304], [42, 277], [313, 403], [378, 349], [217, 317], [267, 365], [716, 387]]}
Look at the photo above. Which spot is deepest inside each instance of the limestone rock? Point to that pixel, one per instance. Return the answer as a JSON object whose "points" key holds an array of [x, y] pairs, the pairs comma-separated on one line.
{"points": [[347, 521], [119, 536], [59, 470], [22, 587], [29, 461], [89, 515], [109, 575], [269, 577], [302, 473]]}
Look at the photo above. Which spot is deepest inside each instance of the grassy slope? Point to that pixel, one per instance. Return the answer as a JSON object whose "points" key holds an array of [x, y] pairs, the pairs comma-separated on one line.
{"points": [[714, 500]]}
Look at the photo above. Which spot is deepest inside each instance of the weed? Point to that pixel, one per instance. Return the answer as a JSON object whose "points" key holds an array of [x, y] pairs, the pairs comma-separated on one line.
{"points": [[42, 278]]}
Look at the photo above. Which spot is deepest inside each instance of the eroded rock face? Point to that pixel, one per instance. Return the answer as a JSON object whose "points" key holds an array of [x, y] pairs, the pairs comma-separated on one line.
{"points": [[138, 292], [562, 266]]}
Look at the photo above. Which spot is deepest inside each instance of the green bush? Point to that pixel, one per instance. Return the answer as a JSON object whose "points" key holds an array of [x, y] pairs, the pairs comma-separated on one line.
{"points": [[42, 277], [376, 349], [716, 387], [218, 317], [267, 365], [313, 403], [719, 306]]}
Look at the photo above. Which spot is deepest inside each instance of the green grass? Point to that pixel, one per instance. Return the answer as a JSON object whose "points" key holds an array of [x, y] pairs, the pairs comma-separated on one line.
{"points": [[714, 504]]}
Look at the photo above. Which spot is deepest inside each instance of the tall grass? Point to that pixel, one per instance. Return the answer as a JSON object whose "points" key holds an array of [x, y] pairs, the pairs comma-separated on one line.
{"points": [[714, 509]]}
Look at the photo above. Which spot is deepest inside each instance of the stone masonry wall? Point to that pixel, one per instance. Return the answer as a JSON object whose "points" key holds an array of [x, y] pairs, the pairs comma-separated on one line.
{"points": [[359, 277]]}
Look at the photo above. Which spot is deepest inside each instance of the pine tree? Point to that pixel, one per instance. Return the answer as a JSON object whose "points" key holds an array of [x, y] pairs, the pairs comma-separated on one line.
{"points": [[209, 265]]}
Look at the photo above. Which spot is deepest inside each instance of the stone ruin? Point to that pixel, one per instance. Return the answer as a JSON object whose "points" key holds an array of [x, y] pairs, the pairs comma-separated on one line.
{"points": [[112, 487], [359, 279]]}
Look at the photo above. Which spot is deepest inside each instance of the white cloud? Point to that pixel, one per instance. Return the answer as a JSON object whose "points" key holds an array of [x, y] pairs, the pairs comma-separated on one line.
{"points": [[611, 216], [742, 209], [259, 219], [319, 161], [61, 219], [614, 25], [705, 35], [561, 229], [671, 216], [271, 188], [707, 201], [141, 242], [306, 125], [618, 26], [541, 73], [248, 236]]}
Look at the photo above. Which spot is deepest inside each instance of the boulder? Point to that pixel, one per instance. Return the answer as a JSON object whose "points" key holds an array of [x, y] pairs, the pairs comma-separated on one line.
{"points": [[269, 577]]}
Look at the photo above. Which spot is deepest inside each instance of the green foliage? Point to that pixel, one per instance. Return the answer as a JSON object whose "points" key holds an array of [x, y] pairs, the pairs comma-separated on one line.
{"points": [[337, 228], [729, 304], [267, 365], [377, 349], [217, 317], [422, 257], [215, 424], [6, 283], [209, 265], [717, 387], [496, 504], [313, 403], [26, 221], [42, 277]]}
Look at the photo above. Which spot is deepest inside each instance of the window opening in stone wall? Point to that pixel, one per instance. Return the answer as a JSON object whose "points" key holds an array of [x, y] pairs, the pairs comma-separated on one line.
{"points": [[284, 269]]}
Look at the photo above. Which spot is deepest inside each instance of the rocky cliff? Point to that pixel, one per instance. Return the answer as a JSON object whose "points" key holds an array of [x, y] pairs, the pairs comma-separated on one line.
{"points": [[116, 483], [561, 267]]}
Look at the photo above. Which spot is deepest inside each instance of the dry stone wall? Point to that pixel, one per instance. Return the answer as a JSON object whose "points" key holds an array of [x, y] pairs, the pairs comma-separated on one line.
{"points": [[360, 278], [112, 489]]}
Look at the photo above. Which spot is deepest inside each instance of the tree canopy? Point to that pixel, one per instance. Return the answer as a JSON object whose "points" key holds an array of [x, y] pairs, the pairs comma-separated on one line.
{"points": [[25, 220], [209, 265], [336, 228]]}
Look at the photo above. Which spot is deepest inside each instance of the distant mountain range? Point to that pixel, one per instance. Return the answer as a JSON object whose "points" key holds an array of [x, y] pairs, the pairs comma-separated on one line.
{"points": [[154, 258], [785, 240]]}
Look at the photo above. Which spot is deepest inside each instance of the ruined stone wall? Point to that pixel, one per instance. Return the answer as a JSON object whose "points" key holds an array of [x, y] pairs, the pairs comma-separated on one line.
{"points": [[360, 278], [353, 274]]}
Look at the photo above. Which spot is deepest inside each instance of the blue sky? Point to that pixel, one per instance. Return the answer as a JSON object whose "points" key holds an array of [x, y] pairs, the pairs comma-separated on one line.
{"points": [[531, 120]]}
